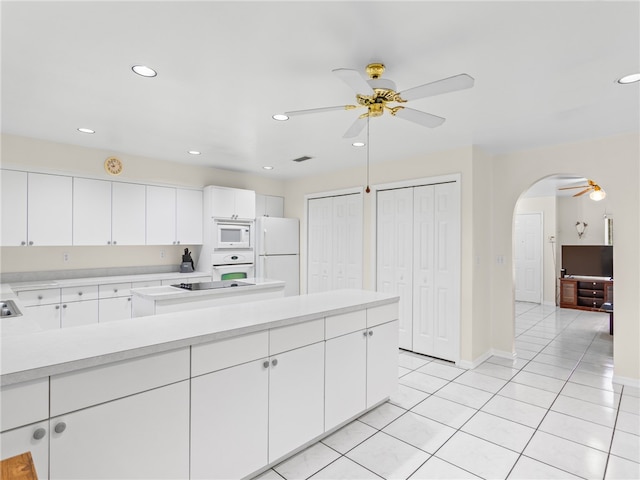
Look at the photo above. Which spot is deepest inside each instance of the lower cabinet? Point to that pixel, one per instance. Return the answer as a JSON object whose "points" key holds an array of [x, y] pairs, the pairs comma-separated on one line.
{"points": [[75, 314], [111, 309], [234, 401], [141, 436], [31, 438], [382, 361], [46, 317]]}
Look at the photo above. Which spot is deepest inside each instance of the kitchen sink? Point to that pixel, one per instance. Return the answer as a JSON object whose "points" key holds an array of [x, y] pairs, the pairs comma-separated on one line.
{"points": [[8, 309]]}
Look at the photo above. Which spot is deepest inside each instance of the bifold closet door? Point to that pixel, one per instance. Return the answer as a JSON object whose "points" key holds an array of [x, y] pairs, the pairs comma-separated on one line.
{"points": [[436, 255], [395, 254], [319, 240]]}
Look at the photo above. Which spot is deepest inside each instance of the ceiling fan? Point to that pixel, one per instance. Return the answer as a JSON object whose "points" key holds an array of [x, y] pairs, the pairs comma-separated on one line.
{"points": [[597, 193], [376, 94]]}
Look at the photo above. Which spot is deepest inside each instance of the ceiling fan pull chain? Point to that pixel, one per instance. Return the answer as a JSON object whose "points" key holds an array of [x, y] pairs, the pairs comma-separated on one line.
{"points": [[367, 189]]}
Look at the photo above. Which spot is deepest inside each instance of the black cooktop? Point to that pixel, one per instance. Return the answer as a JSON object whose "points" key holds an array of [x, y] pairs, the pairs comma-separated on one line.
{"points": [[212, 285]]}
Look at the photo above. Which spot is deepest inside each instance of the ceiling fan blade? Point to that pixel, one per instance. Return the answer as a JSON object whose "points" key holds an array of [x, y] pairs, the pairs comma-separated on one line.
{"points": [[319, 110], [582, 192], [579, 186], [416, 116], [446, 85], [354, 79], [356, 127]]}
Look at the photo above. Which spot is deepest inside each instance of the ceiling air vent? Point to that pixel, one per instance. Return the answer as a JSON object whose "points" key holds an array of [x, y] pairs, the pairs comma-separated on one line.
{"points": [[302, 159]]}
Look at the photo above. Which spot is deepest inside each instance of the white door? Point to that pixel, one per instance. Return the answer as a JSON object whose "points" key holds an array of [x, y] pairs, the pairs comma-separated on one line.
{"points": [[189, 224], [128, 214], [347, 241], [125, 438], [382, 362], [225, 405], [395, 254], [161, 215], [91, 212], [14, 208], [50, 206], [528, 257], [319, 238], [21, 440], [282, 267]]}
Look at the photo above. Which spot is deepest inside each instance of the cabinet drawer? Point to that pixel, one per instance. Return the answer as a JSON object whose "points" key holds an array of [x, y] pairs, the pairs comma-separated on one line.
{"points": [[591, 285], [591, 293], [338, 325], [45, 296], [295, 336], [24, 403], [113, 290], [75, 294], [383, 314], [76, 390], [146, 283], [226, 353]]}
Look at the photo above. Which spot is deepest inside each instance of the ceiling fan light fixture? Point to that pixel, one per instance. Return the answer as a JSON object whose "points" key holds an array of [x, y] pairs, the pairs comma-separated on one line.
{"points": [[144, 71], [281, 117], [634, 77], [597, 194]]}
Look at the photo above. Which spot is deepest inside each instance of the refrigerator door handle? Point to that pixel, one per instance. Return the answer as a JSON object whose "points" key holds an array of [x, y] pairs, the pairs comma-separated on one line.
{"points": [[264, 241], [263, 267]]}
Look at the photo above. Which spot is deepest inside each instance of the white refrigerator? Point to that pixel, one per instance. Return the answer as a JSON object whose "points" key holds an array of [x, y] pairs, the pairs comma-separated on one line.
{"points": [[277, 251]]}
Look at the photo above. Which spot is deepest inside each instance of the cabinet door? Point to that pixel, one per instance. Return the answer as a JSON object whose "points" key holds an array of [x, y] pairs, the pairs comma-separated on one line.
{"points": [[382, 362], [110, 309], [79, 313], [46, 316], [128, 214], [296, 399], [225, 406], [32, 438], [91, 212], [49, 219], [245, 201], [345, 377], [223, 202], [189, 217], [274, 206], [161, 215], [14, 208], [140, 436]]}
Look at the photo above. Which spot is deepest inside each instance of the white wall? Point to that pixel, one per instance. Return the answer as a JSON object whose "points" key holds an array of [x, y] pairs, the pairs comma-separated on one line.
{"points": [[550, 264], [613, 164], [39, 155]]}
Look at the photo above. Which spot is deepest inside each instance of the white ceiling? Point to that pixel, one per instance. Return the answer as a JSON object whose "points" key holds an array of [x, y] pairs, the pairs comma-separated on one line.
{"points": [[545, 73]]}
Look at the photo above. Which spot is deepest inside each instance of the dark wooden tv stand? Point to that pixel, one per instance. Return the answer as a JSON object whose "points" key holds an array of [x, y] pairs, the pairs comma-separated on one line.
{"points": [[585, 293]]}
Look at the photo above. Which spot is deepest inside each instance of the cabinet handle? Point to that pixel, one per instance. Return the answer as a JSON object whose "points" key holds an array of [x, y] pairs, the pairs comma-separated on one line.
{"points": [[274, 362], [23, 243], [31, 242], [64, 306], [60, 427], [371, 333], [364, 334], [114, 242], [39, 433], [80, 293], [108, 242], [128, 299], [39, 297], [57, 307], [115, 290], [178, 242], [265, 364]]}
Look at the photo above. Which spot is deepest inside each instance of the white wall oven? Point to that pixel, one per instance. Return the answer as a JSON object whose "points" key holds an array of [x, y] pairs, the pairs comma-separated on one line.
{"points": [[232, 265]]}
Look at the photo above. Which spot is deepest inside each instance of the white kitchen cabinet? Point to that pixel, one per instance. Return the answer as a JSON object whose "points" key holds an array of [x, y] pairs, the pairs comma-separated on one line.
{"points": [[91, 212], [345, 377], [234, 203], [269, 206], [382, 361], [31, 438], [296, 398], [111, 309], [14, 208], [140, 436], [75, 314], [189, 217], [161, 215], [128, 214], [46, 317], [225, 405], [50, 206]]}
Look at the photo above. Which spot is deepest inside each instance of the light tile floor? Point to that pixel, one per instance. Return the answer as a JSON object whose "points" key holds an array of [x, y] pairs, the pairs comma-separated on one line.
{"points": [[553, 413]]}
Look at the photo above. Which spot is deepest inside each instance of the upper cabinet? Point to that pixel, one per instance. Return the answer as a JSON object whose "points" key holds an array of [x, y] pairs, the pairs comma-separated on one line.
{"points": [[174, 216], [233, 203], [91, 212], [269, 206], [14, 208], [128, 212], [189, 217]]}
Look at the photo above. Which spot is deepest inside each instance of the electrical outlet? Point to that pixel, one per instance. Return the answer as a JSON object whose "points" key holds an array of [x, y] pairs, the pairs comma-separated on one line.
{"points": [[65, 257], [161, 253], [552, 239]]}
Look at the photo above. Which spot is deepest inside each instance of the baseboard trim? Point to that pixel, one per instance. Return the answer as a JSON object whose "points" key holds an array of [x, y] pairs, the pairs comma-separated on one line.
{"points": [[470, 365], [629, 382]]}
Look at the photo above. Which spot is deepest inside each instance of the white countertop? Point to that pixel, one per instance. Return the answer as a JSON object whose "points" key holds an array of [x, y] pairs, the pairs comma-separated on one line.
{"points": [[168, 292], [30, 356]]}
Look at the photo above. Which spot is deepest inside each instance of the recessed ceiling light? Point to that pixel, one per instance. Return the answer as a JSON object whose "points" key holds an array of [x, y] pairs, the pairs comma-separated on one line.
{"points": [[86, 130], [281, 117], [358, 144], [194, 152], [634, 77], [144, 71], [267, 167]]}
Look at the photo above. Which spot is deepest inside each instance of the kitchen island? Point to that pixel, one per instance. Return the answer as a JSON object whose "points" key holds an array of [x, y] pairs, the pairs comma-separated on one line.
{"points": [[221, 392], [174, 298]]}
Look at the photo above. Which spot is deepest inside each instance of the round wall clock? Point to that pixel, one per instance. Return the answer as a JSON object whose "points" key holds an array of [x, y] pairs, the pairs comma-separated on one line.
{"points": [[113, 166]]}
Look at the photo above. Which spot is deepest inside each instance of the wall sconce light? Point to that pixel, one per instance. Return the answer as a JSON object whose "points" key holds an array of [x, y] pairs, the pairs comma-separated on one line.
{"points": [[581, 227]]}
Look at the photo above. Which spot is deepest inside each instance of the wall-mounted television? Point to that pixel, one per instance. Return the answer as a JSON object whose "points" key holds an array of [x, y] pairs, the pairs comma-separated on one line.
{"points": [[588, 260]]}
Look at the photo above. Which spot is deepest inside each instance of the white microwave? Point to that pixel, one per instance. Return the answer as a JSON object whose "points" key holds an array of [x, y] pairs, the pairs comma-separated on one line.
{"points": [[233, 235]]}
